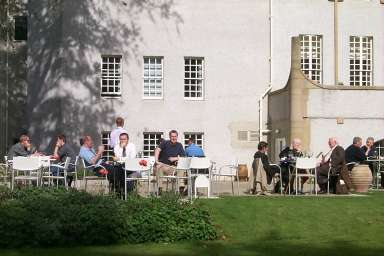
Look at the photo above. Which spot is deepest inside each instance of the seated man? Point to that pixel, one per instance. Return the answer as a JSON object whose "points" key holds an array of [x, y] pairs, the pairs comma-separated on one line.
{"points": [[261, 175], [192, 150], [114, 174], [334, 162], [287, 155], [61, 152], [126, 149], [166, 156], [354, 153], [22, 148]]}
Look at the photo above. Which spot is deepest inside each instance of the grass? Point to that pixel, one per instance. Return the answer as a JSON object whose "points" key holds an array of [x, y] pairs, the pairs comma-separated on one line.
{"points": [[270, 226]]}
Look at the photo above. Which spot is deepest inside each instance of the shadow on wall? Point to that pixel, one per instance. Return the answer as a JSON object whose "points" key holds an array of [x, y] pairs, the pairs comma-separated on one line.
{"points": [[63, 79], [13, 87]]}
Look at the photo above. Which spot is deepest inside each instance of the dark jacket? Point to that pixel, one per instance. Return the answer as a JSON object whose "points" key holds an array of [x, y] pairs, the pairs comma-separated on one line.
{"points": [[288, 151], [354, 154], [337, 159]]}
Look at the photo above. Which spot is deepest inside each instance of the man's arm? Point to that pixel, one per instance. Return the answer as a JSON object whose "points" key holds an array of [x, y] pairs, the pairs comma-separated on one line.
{"points": [[157, 154]]}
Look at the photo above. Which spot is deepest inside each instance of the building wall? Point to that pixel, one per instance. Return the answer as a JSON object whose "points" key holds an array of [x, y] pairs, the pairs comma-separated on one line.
{"points": [[68, 38]]}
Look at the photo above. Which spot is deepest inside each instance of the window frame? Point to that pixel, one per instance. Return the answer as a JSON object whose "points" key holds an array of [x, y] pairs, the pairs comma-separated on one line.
{"points": [[153, 78], [108, 78], [310, 72], [108, 151], [360, 65], [202, 78], [149, 153]]}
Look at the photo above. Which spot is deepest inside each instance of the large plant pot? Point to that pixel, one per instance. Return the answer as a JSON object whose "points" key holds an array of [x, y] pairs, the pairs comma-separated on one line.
{"points": [[361, 178], [243, 172]]}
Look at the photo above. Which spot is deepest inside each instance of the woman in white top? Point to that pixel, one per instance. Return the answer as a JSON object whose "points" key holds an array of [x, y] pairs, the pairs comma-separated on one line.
{"points": [[124, 149]]}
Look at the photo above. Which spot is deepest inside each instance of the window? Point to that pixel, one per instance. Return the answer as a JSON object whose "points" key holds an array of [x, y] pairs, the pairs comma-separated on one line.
{"points": [[21, 28], [247, 136], [360, 60], [153, 77], [151, 140], [197, 136], [311, 56], [193, 78], [108, 151], [111, 76]]}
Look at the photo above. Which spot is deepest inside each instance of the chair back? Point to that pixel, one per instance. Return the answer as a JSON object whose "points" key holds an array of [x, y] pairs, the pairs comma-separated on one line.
{"points": [[22, 163], [66, 163], [200, 163], [44, 161], [201, 181], [183, 163], [305, 163]]}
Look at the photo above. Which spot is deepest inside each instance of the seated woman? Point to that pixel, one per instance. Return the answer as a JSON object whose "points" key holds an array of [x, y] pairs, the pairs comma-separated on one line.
{"points": [[262, 173]]}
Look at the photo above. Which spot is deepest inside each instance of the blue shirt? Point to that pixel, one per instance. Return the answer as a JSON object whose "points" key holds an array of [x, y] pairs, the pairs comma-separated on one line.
{"points": [[194, 150], [87, 154]]}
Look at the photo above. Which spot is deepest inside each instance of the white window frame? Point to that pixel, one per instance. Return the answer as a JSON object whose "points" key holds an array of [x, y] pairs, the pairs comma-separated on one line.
{"points": [[196, 78], [108, 151], [314, 55], [198, 141], [357, 52], [149, 77], [111, 75], [153, 143]]}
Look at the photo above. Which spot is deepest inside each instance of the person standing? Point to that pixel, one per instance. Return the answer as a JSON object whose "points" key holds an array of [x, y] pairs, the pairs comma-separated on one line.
{"points": [[114, 137]]}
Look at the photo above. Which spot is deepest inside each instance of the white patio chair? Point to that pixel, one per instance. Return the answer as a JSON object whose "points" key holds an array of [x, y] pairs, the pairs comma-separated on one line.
{"points": [[4, 171], [201, 163], [182, 166], [93, 177], [61, 175], [202, 181], [309, 165], [229, 170], [133, 165], [73, 173], [29, 166]]}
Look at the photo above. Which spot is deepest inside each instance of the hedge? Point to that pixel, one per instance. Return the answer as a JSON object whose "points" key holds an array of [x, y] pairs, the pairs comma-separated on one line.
{"points": [[37, 217]]}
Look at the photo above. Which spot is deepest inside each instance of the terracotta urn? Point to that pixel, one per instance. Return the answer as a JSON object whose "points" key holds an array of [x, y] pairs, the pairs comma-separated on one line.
{"points": [[361, 178], [243, 172]]}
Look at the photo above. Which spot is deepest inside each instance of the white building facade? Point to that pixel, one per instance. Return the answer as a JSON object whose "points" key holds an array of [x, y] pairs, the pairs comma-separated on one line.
{"points": [[198, 67]]}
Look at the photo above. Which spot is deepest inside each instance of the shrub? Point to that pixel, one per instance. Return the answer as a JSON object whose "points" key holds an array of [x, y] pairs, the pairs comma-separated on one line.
{"points": [[55, 217]]}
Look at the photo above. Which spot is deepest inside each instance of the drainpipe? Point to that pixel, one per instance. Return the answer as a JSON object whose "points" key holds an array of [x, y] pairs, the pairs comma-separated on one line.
{"points": [[336, 40], [261, 130], [6, 79]]}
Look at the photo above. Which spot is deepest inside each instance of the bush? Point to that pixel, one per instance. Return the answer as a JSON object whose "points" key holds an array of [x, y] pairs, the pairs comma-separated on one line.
{"points": [[55, 217]]}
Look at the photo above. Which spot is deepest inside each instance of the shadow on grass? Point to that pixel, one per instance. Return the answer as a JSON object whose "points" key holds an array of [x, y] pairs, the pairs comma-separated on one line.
{"points": [[258, 247]]}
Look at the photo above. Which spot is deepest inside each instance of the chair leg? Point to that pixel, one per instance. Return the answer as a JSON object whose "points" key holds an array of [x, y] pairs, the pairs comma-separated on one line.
{"points": [[85, 184], [233, 191]]}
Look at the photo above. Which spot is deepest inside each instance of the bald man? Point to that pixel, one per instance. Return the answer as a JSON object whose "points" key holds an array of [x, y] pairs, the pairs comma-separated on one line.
{"points": [[333, 161]]}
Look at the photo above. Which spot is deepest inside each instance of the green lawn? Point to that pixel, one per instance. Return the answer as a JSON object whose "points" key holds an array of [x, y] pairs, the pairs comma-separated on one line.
{"points": [[271, 226]]}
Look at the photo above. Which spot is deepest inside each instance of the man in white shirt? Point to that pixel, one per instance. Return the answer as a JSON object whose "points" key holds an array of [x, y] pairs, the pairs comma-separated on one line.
{"points": [[124, 149], [114, 137]]}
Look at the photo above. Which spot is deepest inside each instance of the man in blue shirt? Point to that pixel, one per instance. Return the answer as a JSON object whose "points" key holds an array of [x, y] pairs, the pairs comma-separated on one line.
{"points": [[192, 150], [114, 174]]}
